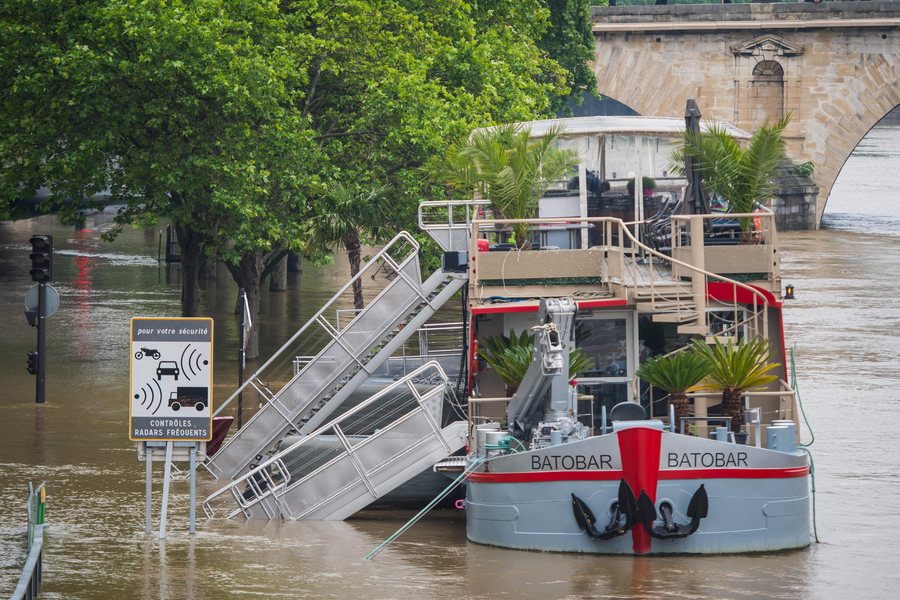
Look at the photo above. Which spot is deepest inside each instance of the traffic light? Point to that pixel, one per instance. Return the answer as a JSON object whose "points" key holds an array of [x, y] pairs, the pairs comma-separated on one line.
{"points": [[41, 258], [33, 362]]}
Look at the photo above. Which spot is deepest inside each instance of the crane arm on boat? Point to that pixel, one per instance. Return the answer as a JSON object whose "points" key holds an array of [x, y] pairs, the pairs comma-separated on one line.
{"points": [[549, 369], [625, 508], [698, 508]]}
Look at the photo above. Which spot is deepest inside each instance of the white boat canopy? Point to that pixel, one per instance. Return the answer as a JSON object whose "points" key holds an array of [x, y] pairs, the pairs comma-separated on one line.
{"points": [[643, 126]]}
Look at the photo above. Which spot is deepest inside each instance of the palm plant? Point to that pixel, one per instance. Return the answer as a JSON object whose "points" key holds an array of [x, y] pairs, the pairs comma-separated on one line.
{"points": [[510, 356], [348, 217], [676, 373], [736, 368], [745, 177], [507, 168]]}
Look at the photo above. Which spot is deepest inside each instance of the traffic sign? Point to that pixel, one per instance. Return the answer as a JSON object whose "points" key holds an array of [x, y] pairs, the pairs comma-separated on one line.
{"points": [[52, 297], [171, 379]]}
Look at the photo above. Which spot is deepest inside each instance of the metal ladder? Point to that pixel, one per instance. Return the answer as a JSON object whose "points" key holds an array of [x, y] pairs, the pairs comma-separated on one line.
{"points": [[350, 354], [353, 460]]}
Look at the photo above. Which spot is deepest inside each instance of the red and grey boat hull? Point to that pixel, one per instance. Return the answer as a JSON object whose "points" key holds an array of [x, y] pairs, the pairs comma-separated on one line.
{"points": [[642, 491]]}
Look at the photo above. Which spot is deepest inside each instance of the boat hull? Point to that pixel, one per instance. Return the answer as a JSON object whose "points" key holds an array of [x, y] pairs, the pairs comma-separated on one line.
{"points": [[758, 499]]}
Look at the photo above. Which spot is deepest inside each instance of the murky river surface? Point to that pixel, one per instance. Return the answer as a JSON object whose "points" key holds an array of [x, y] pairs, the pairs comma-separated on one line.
{"points": [[845, 323]]}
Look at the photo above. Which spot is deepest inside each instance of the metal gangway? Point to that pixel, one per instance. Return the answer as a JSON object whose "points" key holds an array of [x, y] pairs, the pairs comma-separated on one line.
{"points": [[353, 460], [347, 354]]}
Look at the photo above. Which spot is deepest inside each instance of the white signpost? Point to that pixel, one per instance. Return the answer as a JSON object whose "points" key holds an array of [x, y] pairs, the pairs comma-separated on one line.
{"points": [[171, 397]]}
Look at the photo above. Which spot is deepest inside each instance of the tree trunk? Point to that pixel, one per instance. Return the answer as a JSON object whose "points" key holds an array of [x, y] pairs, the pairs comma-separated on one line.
{"points": [[354, 255], [278, 280], [191, 261], [207, 268], [250, 271], [294, 264], [733, 407], [682, 407]]}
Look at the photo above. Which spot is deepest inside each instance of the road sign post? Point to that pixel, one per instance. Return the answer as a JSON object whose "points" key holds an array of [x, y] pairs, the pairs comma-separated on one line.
{"points": [[171, 396]]}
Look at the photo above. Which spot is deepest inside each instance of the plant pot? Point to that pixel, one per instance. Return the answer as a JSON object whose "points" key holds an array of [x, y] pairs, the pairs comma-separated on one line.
{"points": [[741, 438]]}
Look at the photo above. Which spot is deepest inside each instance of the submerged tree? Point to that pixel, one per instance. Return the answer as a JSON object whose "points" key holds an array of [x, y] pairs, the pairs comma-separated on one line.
{"points": [[349, 218]]}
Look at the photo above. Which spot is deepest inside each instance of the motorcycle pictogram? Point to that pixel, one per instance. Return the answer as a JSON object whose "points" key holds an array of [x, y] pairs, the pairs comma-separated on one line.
{"points": [[147, 352]]}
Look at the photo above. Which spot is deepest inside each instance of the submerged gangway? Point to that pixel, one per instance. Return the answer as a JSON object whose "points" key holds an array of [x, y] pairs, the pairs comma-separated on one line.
{"points": [[354, 459], [349, 354]]}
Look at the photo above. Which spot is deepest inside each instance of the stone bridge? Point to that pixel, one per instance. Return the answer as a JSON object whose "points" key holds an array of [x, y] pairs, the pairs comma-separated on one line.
{"points": [[834, 66]]}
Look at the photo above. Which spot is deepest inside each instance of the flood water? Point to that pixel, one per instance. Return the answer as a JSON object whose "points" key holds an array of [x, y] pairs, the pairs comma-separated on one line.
{"points": [[844, 323]]}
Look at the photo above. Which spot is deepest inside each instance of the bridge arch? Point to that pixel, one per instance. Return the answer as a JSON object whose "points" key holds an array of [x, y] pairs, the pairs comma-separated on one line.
{"points": [[835, 67]]}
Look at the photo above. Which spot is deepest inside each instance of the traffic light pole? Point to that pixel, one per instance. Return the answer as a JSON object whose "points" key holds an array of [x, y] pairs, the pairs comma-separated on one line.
{"points": [[41, 343]]}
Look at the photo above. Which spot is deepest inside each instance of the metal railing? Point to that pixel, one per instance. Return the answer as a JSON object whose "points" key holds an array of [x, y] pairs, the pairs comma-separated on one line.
{"points": [[30, 581], [277, 372], [274, 477]]}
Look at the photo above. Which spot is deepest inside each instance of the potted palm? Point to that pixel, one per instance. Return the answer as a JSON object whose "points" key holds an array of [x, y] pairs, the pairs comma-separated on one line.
{"points": [[507, 168], [676, 374], [744, 177], [736, 368], [510, 356]]}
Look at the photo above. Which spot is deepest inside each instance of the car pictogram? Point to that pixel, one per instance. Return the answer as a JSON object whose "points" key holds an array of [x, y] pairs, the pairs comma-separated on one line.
{"points": [[167, 367]]}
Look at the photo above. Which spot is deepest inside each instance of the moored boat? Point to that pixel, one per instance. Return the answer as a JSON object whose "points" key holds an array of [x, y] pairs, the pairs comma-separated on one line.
{"points": [[582, 456], [598, 462]]}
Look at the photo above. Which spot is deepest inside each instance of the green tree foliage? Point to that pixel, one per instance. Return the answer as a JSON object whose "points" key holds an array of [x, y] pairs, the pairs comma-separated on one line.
{"points": [[235, 118], [570, 41], [183, 110]]}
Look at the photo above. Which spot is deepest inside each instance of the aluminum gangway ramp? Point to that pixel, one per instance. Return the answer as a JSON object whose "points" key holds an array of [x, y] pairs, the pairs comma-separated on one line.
{"points": [[354, 459], [344, 355]]}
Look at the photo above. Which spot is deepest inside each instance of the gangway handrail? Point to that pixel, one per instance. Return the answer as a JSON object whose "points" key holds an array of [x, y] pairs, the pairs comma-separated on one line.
{"points": [[757, 294], [402, 236], [30, 581], [276, 460]]}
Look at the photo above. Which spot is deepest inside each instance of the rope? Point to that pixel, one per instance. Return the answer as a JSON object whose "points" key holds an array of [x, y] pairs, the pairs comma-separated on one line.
{"points": [[812, 478], [805, 447], [812, 434], [462, 476]]}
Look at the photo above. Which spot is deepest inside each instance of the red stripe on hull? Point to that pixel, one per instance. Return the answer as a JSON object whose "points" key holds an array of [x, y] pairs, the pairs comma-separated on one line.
{"points": [[667, 475], [639, 448]]}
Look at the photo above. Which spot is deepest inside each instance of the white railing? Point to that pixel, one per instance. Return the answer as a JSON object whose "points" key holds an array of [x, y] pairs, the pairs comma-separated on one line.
{"points": [[272, 478], [277, 372]]}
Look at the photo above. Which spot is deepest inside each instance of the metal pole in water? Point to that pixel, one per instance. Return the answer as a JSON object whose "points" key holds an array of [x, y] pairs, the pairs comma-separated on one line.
{"points": [[148, 456], [241, 356], [167, 474], [192, 511], [41, 343]]}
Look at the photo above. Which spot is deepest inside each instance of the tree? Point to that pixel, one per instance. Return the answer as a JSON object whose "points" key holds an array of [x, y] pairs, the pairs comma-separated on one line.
{"points": [[570, 41], [233, 118], [676, 373], [736, 368], [164, 105], [349, 218], [508, 168], [744, 177]]}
